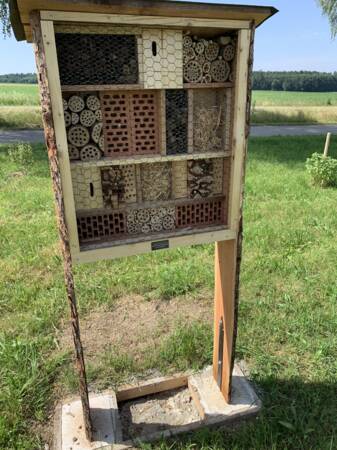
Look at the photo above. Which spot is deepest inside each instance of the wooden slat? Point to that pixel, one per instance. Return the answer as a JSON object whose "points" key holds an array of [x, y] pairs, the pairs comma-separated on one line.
{"points": [[60, 131], [225, 265], [118, 251], [101, 87], [161, 21], [141, 159], [149, 387], [239, 127], [207, 85]]}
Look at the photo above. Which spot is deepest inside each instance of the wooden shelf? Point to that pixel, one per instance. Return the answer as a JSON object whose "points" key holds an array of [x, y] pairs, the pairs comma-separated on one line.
{"points": [[152, 204], [149, 159], [227, 84], [134, 87], [101, 87], [107, 243]]}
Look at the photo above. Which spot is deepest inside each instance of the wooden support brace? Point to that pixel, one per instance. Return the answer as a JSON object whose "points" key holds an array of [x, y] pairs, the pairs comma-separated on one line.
{"points": [[50, 137], [228, 253]]}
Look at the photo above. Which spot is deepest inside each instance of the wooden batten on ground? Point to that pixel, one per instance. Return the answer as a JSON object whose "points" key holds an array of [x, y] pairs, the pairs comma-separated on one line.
{"points": [[206, 407]]}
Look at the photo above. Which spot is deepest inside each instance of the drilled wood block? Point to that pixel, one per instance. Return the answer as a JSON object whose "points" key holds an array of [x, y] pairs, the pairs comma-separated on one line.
{"points": [[156, 180], [162, 59], [202, 213], [150, 220], [87, 59], [179, 179], [96, 227], [118, 186], [218, 175], [87, 187]]}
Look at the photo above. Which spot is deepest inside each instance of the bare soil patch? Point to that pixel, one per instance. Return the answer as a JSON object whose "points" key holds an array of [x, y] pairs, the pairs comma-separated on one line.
{"points": [[134, 324]]}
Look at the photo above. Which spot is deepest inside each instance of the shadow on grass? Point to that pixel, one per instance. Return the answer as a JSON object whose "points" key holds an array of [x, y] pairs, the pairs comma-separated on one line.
{"points": [[288, 150], [295, 415]]}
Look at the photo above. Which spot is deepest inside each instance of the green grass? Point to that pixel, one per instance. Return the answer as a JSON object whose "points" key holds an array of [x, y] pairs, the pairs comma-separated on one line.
{"points": [[284, 98], [18, 94], [287, 318]]}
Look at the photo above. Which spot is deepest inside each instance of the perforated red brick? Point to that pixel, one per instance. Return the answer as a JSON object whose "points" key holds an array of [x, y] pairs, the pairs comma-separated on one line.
{"points": [[116, 120], [98, 226], [201, 213], [144, 113], [131, 123]]}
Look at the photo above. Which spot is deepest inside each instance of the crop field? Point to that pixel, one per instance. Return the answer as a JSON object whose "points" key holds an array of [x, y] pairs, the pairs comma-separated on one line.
{"points": [[19, 107], [278, 107], [154, 312]]}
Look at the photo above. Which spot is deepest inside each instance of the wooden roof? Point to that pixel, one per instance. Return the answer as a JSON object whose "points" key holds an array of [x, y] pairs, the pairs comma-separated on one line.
{"points": [[20, 10]]}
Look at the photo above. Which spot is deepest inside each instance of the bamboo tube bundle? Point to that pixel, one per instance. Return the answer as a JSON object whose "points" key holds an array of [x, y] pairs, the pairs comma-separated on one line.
{"points": [[207, 61], [83, 121]]}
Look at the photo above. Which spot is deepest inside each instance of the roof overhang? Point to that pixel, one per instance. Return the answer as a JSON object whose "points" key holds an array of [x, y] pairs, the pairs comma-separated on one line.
{"points": [[20, 10]]}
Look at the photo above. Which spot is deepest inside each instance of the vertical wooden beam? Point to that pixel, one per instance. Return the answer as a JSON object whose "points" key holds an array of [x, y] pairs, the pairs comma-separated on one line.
{"points": [[43, 36], [228, 253]]}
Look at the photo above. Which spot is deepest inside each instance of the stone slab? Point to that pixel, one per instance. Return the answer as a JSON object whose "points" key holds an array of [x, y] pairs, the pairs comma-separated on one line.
{"points": [[104, 413]]}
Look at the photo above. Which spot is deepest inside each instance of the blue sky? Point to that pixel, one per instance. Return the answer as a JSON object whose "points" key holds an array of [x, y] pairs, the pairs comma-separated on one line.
{"points": [[297, 38]]}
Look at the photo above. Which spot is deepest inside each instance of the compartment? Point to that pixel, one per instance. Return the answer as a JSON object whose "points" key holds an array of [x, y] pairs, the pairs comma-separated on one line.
{"points": [[87, 187], [162, 59], [202, 213], [176, 112], [211, 119], [97, 59], [84, 126], [208, 60], [131, 122]]}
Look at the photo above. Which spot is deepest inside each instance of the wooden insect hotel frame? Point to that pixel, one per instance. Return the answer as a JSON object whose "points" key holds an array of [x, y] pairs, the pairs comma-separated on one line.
{"points": [[146, 115]]}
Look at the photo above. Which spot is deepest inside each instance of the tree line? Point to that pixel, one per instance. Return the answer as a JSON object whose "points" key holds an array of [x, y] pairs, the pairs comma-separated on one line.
{"points": [[295, 81], [267, 81]]}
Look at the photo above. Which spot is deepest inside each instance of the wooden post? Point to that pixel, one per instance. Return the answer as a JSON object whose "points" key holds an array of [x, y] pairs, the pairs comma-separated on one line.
{"points": [[327, 145], [48, 122], [228, 253]]}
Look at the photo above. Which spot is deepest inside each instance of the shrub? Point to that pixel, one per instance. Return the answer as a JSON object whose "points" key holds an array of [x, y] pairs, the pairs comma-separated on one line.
{"points": [[21, 154], [323, 170]]}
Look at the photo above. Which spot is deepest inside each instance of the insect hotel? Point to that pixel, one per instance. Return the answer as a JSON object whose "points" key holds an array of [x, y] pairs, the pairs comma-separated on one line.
{"points": [[146, 116]]}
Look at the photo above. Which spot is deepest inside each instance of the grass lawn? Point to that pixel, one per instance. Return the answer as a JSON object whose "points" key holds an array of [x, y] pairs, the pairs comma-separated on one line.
{"points": [[161, 306]]}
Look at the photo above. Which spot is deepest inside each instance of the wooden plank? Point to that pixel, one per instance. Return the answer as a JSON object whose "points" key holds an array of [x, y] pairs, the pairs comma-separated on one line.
{"points": [[226, 84], [141, 159], [168, 8], [206, 236], [152, 386], [60, 131], [224, 270], [101, 87], [158, 21], [239, 127], [42, 34]]}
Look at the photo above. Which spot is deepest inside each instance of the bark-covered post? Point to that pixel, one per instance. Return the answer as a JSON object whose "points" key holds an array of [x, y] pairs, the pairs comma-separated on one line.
{"points": [[50, 138]]}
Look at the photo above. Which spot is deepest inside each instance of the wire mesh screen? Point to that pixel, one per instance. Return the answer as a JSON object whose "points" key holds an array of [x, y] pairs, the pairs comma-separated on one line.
{"points": [[97, 59], [176, 121]]}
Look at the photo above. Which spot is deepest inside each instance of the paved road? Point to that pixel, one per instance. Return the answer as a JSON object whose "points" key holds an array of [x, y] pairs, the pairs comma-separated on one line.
{"points": [[292, 130], [11, 136]]}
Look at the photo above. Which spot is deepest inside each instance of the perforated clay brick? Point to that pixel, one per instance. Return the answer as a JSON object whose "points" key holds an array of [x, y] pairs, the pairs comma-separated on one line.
{"points": [[99, 226]]}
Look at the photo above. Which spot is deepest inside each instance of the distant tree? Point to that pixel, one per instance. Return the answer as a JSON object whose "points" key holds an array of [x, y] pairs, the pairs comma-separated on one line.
{"points": [[329, 8], [4, 18]]}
